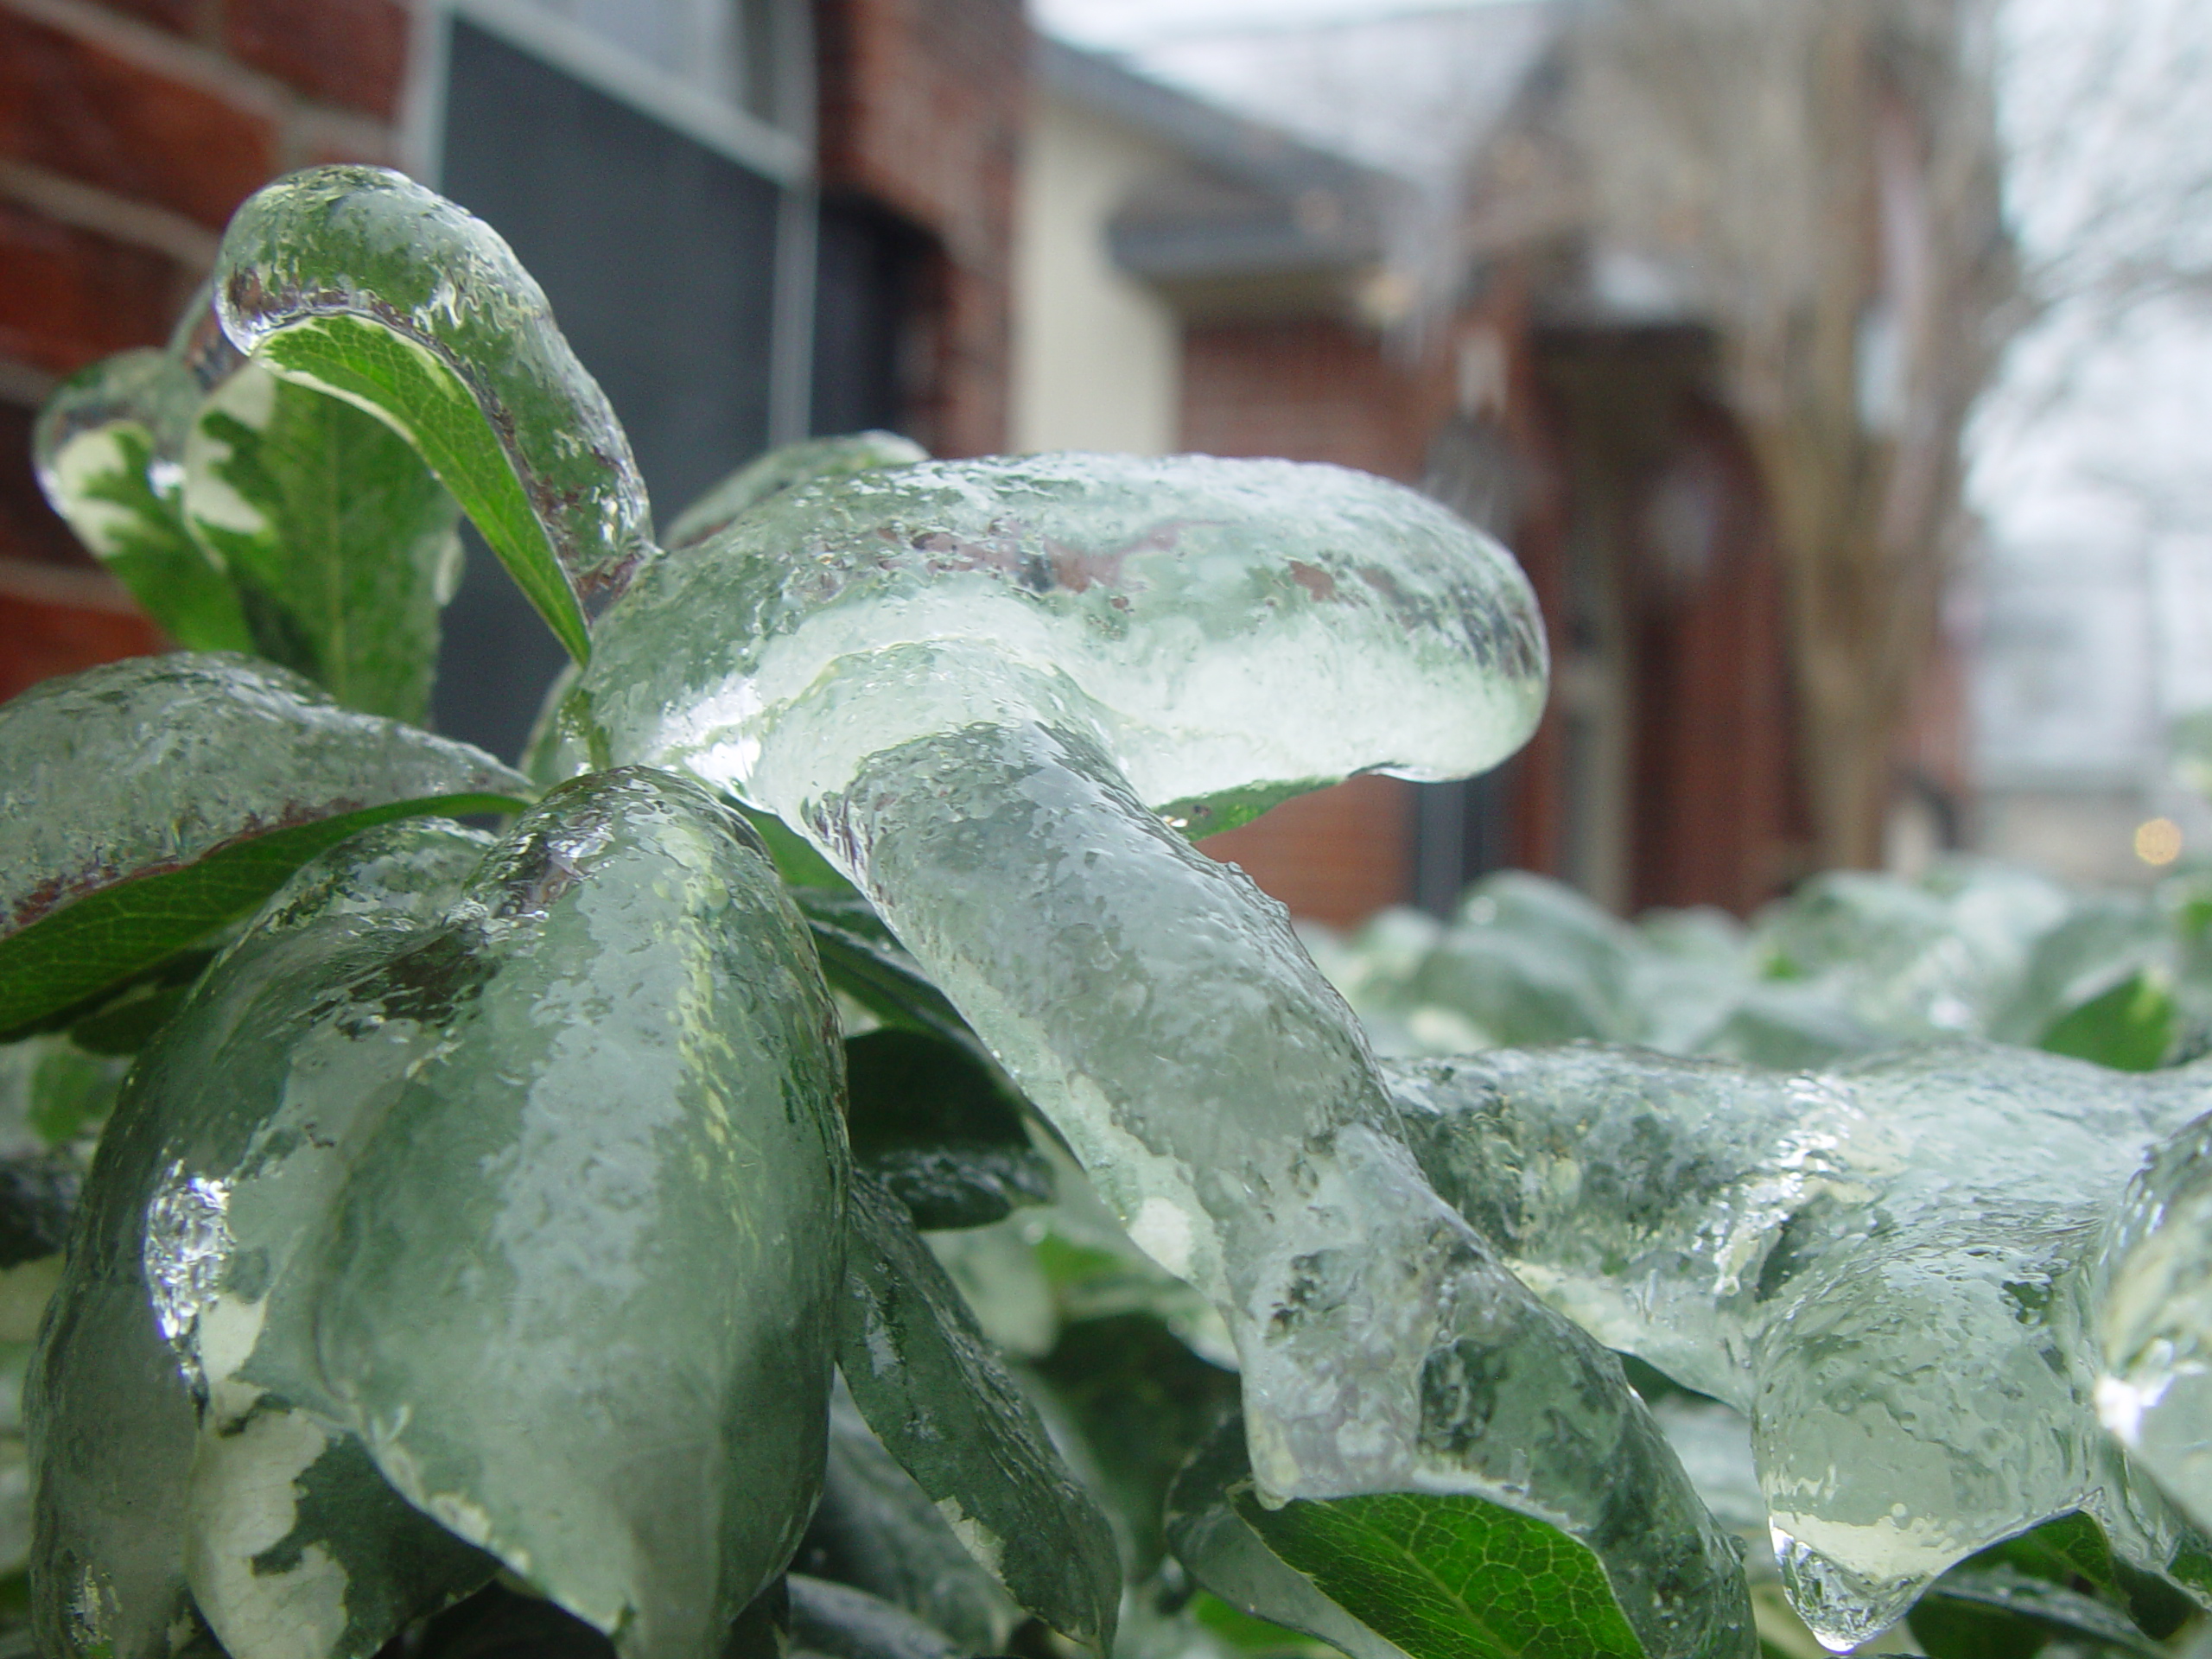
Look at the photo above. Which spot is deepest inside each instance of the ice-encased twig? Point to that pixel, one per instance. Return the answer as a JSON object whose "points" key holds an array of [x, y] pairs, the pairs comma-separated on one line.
{"points": [[1890, 1267], [1158, 1006]]}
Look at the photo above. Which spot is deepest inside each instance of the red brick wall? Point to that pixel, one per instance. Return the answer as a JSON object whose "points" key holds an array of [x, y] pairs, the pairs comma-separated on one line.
{"points": [[921, 108], [1309, 389]]}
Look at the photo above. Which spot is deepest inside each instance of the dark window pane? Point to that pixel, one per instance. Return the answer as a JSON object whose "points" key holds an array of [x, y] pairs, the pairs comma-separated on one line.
{"points": [[659, 256]]}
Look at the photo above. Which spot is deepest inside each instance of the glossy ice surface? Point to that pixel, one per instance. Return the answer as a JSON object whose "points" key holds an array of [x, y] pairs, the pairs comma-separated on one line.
{"points": [[1890, 1267], [2155, 1323], [510, 1185], [1217, 625], [359, 283], [150, 763], [973, 683]]}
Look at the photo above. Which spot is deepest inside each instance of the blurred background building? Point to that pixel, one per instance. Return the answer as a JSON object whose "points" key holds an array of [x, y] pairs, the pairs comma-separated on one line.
{"points": [[1835, 368]]}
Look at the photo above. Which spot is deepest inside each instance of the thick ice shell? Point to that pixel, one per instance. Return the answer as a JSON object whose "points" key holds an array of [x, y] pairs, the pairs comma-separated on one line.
{"points": [[787, 468], [573, 1283], [150, 763], [333, 250], [2155, 1326], [1231, 624], [1158, 1008], [113, 1394], [1886, 1267]]}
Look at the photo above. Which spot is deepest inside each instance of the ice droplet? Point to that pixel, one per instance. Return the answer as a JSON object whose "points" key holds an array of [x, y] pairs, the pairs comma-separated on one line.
{"points": [[1841, 1609], [187, 1246]]}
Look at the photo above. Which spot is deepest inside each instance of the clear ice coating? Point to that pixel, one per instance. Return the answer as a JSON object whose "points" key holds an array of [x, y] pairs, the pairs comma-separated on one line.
{"points": [[2154, 1331], [116, 1398], [785, 468], [107, 449], [1196, 616], [361, 283], [151, 763], [975, 684], [508, 1186], [1890, 1268]]}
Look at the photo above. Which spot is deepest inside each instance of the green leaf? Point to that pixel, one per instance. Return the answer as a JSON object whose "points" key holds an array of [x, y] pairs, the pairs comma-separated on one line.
{"points": [[146, 803], [342, 543], [94, 448], [1946, 1623], [795, 856], [113, 1398], [787, 468], [1439, 1575], [879, 1531], [361, 283], [935, 1125], [861, 958], [930, 1386], [2130, 1028], [295, 1541], [1211, 1537], [574, 1284], [842, 1622]]}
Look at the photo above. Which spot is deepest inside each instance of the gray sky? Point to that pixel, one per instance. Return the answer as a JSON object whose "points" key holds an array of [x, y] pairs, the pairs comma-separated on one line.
{"points": [[1131, 25]]}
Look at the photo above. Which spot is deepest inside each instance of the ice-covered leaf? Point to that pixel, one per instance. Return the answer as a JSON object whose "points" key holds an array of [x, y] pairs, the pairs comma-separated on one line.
{"points": [[340, 541], [1210, 1537], [580, 1240], [1945, 1621], [928, 1385], [929, 1121], [147, 802], [1192, 611], [839, 1622], [2154, 1330], [1913, 960], [113, 1406], [1885, 1266], [359, 283], [879, 1530], [98, 448], [970, 685], [787, 468], [1221, 1098], [1531, 961]]}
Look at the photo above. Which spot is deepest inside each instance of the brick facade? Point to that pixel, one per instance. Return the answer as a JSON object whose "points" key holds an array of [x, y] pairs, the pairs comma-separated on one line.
{"points": [[921, 108], [1309, 389]]}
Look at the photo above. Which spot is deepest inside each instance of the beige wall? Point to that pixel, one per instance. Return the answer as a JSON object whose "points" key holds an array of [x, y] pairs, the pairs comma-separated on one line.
{"points": [[1097, 354]]}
